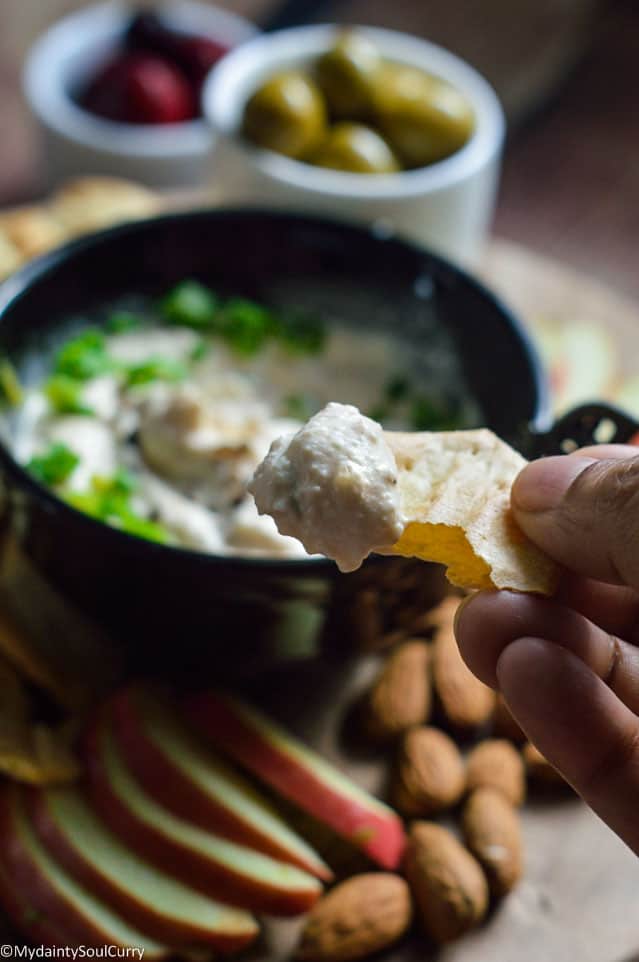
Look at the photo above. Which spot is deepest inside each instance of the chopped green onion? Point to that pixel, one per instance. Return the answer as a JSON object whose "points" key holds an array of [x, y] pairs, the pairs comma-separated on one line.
{"points": [[109, 501], [245, 325], [301, 333], [10, 387], [155, 369], [297, 406], [397, 389], [190, 304], [122, 482], [379, 413], [200, 351], [65, 395], [428, 414], [54, 466], [119, 322], [84, 356]]}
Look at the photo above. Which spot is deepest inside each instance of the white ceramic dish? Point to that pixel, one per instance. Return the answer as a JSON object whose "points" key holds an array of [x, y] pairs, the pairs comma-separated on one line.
{"points": [[77, 143], [447, 206]]}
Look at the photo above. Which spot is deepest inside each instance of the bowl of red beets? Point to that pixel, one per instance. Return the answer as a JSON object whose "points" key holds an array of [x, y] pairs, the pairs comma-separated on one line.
{"points": [[118, 91], [155, 77]]}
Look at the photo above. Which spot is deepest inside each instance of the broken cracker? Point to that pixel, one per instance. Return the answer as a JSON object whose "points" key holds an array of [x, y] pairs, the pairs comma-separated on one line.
{"points": [[455, 498], [92, 203]]}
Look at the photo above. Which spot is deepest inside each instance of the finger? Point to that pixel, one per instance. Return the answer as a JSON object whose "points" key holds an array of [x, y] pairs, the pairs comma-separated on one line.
{"points": [[579, 724], [491, 621], [584, 513], [615, 608], [608, 452]]}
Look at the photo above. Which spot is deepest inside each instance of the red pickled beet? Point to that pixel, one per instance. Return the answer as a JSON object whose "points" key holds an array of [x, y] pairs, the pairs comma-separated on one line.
{"points": [[140, 89], [193, 54], [196, 56]]}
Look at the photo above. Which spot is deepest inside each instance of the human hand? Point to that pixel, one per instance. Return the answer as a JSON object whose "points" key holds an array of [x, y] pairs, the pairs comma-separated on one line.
{"points": [[568, 667]]}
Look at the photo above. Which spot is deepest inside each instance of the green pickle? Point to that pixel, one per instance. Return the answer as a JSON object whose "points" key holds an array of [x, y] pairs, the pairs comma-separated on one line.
{"points": [[346, 75], [357, 149], [424, 119], [286, 114]]}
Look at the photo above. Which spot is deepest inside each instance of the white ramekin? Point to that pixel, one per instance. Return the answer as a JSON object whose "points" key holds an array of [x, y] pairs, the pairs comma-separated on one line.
{"points": [[447, 206], [75, 142]]}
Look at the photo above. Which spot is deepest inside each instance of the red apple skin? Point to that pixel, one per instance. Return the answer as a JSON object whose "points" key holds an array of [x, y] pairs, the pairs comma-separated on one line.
{"points": [[31, 923], [379, 835], [138, 913], [138, 88], [32, 886], [168, 786], [202, 873]]}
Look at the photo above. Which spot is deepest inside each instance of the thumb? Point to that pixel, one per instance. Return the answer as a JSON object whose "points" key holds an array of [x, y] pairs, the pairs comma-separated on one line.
{"points": [[584, 513]]}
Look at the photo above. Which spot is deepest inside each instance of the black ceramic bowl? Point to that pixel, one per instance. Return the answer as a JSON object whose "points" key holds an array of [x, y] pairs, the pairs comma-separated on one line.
{"points": [[179, 611]]}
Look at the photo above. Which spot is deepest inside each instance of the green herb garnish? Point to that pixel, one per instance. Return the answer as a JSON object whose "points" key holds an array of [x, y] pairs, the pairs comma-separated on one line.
{"points": [[119, 322], [428, 414], [84, 356], [190, 304], [379, 413], [200, 351], [397, 389], [155, 369], [245, 325], [10, 387], [65, 395], [55, 465], [300, 332], [297, 406], [109, 500]]}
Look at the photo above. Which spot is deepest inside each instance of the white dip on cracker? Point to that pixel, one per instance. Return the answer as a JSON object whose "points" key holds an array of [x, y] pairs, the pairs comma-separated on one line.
{"points": [[333, 485], [345, 488]]}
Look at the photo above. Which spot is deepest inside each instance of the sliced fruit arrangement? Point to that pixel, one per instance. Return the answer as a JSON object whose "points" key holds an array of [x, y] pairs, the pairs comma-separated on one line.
{"points": [[185, 776], [40, 882], [299, 774], [156, 903], [206, 860]]}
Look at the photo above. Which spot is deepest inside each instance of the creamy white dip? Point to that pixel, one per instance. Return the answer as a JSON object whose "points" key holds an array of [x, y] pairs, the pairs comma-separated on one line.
{"points": [[333, 485], [154, 416]]}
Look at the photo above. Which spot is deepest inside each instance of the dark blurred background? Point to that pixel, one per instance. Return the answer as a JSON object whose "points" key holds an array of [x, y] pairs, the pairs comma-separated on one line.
{"points": [[564, 69]]}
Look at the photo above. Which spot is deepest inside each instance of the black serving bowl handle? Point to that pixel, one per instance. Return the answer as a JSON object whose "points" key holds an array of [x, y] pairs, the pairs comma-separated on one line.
{"points": [[591, 423]]}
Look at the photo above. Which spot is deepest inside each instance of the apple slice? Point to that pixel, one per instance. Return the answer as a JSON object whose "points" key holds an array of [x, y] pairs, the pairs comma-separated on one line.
{"points": [[215, 865], [299, 774], [152, 901], [191, 781], [32, 924], [39, 881]]}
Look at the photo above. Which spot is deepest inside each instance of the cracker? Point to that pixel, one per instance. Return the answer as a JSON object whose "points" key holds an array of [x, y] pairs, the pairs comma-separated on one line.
{"points": [[90, 203], [10, 256], [455, 494], [32, 230]]}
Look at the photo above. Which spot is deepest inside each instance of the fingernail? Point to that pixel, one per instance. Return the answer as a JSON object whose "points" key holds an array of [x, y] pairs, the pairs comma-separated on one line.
{"points": [[542, 484]]}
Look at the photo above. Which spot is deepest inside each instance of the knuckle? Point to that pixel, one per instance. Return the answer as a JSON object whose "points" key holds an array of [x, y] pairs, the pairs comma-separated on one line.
{"points": [[614, 766], [607, 491], [617, 488]]}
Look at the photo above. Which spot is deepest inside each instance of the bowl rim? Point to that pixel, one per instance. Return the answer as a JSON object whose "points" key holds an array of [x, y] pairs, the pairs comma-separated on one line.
{"points": [[236, 76], [44, 69], [19, 284]]}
